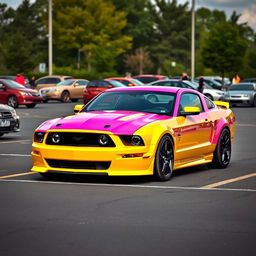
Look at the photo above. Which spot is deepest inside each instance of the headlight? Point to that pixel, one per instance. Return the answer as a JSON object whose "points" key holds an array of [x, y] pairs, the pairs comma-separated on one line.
{"points": [[39, 137], [14, 114], [56, 89], [26, 93], [246, 95], [132, 140]]}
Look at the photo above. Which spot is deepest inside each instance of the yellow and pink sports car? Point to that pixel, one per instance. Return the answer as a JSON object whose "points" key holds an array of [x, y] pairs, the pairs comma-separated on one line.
{"points": [[137, 131]]}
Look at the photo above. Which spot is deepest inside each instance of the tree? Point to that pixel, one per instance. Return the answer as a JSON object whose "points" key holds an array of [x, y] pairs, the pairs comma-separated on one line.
{"points": [[171, 36], [23, 44], [140, 62], [224, 49], [92, 27]]}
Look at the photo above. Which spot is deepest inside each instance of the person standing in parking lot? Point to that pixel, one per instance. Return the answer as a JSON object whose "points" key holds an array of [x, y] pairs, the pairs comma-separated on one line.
{"points": [[20, 79], [236, 79], [201, 84], [32, 82]]}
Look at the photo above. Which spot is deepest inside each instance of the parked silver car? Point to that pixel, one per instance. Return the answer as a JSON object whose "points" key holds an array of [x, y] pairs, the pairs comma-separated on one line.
{"points": [[211, 93], [242, 93]]}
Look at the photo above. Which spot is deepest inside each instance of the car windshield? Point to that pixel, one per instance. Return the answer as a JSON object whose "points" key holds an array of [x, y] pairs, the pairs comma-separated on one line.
{"points": [[241, 87], [190, 84], [160, 103], [66, 82], [116, 83], [13, 84], [137, 82]]}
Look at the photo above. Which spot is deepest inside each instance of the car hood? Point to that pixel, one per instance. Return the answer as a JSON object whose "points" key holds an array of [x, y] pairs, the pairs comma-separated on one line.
{"points": [[116, 122], [5, 108], [29, 90]]}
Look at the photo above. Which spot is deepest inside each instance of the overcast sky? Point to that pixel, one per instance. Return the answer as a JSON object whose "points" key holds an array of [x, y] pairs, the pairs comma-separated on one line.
{"points": [[246, 7]]}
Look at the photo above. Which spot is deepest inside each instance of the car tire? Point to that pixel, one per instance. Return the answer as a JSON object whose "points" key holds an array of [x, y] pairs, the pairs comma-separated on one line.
{"points": [[65, 97], [254, 102], [1, 134], [209, 96], [12, 101], [45, 101], [222, 152], [74, 100], [30, 105], [164, 159]]}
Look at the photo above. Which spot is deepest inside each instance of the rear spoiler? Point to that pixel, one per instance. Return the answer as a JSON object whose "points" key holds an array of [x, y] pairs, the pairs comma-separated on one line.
{"points": [[222, 104]]}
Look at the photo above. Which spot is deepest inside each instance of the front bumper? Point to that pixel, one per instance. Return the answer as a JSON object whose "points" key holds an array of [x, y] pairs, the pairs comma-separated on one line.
{"points": [[30, 100], [9, 125], [101, 160]]}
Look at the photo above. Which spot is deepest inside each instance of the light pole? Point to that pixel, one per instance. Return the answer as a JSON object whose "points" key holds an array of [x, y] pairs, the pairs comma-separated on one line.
{"points": [[50, 38], [193, 40]]}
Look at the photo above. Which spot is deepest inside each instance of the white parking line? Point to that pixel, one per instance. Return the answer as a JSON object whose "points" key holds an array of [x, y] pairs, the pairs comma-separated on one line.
{"points": [[13, 141], [15, 155], [128, 186]]}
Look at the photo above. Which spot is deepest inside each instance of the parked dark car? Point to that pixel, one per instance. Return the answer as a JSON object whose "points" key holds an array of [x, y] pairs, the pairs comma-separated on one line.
{"points": [[95, 87], [14, 94], [9, 120], [249, 80], [146, 79], [242, 93]]}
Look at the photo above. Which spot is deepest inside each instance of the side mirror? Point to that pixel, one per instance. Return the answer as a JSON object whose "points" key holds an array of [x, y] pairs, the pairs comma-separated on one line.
{"points": [[130, 84], [190, 111], [76, 84], [110, 86], [77, 108], [2, 86]]}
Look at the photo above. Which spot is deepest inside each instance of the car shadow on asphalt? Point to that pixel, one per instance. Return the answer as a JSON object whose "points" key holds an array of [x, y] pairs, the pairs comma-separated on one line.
{"points": [[125, 180]]}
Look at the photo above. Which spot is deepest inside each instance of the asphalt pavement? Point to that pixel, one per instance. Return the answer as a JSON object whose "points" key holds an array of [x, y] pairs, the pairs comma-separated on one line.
{"points": [[200, 211]]}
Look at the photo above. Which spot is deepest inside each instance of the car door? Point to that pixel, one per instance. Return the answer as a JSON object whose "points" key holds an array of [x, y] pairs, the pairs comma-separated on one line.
{"points": [[194, 131], [78, 88]]}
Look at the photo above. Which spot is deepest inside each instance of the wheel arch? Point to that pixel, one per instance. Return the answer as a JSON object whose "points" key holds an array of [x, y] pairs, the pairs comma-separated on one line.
{"points": [[222, 124]]}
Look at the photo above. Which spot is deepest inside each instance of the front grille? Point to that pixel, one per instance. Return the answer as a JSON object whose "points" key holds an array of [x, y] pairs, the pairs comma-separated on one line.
{"points": [[78, 139], [36, 94], [234, 96], [87, 165], [6, 115]]}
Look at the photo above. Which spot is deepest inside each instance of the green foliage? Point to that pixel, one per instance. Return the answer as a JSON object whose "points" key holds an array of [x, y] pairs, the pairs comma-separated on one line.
{"points": [[94, 27], [224, 49], [170, 70], [171, 36]]}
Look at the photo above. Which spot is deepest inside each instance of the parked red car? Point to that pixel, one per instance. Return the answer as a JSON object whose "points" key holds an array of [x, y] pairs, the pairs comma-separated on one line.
{"points": [[146, 79], [14, 94], [128, 81], [95, 87]]}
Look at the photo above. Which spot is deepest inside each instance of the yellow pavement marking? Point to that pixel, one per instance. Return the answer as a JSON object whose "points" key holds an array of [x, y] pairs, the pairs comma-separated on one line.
{"points": [[16, 175], [217, 184], [13, 141]]}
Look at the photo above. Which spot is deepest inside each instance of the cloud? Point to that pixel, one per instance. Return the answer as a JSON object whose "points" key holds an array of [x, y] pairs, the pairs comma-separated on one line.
{"points": [[248, 15]]}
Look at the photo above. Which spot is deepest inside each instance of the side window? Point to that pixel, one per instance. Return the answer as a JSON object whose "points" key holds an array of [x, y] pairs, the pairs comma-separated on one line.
{"points": [[125, 82], [92, 84], [52, 80], [190, 100], [209, 103], [41, 81], [82, 82], [103, 84]]}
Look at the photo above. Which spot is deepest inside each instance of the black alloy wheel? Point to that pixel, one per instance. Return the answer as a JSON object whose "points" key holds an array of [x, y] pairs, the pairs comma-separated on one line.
{"points": [[222, 153], [1, 134], [65, 97], [12, 101], [30, 105], [254, 102], [164, 159]]}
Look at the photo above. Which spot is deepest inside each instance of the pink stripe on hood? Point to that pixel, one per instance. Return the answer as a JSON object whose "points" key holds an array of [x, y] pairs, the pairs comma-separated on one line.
{"points": [[104, 121]]}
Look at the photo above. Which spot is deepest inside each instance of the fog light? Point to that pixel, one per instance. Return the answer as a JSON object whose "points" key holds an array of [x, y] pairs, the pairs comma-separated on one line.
{"points": [[39, 137], [103, 140], [56, 138]]}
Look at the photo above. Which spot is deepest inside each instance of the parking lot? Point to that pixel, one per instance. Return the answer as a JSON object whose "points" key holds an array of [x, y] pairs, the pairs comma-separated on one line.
{"points": [[199, 211]]}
